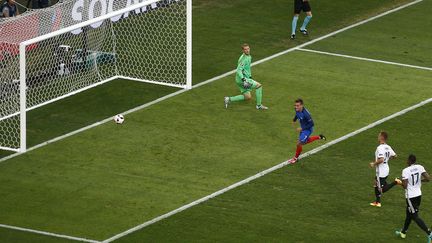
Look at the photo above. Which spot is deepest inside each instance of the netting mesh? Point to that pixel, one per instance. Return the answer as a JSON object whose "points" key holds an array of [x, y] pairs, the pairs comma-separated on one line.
{"points": [[158, 52], [147, 44], [9, 105]]}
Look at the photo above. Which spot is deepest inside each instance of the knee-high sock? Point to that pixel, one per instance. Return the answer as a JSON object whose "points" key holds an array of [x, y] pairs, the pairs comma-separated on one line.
{"points": [[294, 25], [237, 98], [259, 95], [298, 150], [312, 138], [407, 222], [421, 223], [377, 194], [306, 22]]}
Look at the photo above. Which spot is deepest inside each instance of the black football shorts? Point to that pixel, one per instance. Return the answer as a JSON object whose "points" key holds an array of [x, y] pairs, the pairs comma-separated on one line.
{"points": [[299, 6]]}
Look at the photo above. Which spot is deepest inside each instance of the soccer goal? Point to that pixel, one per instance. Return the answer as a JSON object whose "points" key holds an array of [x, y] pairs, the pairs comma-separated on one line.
{"points": [[50, 54]]}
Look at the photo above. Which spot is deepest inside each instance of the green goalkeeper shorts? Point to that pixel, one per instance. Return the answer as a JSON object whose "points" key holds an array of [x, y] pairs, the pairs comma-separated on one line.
{"points": [[244, 90]]}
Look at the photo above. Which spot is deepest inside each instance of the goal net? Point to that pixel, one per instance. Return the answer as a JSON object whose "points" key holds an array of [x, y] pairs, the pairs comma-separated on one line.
{"points": [[50, 54]]}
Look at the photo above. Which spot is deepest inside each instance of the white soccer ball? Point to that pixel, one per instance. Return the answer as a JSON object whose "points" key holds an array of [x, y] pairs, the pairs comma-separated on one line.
{"points": [[119, 119]]}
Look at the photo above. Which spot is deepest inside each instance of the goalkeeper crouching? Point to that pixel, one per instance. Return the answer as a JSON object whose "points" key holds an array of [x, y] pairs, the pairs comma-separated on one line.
{"points": [[245, 82]]}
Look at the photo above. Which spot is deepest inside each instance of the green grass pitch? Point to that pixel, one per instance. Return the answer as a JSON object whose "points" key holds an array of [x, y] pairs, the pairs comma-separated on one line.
{"points": [[111, 178]]}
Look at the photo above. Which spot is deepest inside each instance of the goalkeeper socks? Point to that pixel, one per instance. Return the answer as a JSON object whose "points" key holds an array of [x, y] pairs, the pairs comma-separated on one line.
{"points": [[294, 25], [306, 22], [298, 150], [313, 138], [259, 96], [237, 98]]}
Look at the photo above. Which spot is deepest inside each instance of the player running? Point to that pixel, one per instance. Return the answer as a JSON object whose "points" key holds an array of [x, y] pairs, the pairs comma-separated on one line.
{"points": [[245, 82], [412, 178], [305, 130], [383, 154], [301, 5]]}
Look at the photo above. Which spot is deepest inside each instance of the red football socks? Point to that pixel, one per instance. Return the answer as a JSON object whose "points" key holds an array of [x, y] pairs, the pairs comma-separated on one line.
{"points": [[298, 151], [300, 147], [312, 138]]}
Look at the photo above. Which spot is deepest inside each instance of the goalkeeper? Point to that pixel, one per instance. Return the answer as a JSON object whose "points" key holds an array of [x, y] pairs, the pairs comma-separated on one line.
{"points": [[245, 82]]}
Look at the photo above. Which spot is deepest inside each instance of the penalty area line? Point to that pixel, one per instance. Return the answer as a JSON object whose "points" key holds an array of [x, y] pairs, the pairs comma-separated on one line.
{"points": [[365, 59], [48, 233], [263, 173]]}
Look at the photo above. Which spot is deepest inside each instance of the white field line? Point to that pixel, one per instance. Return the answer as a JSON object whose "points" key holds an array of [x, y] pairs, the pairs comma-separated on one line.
{"points": [[262, 173], [216, 78], [366, 59], [48, 234]]}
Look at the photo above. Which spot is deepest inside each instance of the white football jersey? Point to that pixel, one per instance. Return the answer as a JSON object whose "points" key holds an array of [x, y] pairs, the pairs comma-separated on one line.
{"points": [[386, 152], [413, 174]]}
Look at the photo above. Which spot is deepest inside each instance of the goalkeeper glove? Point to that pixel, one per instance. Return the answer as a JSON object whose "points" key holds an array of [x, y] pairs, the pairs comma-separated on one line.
{"points": [[246, 84]]}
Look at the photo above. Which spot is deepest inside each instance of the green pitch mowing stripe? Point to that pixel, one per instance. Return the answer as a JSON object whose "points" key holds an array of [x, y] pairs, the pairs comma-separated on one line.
{"points": [[61, 238], [111, 178], [323, 198], [12, 236], [399, 37]]}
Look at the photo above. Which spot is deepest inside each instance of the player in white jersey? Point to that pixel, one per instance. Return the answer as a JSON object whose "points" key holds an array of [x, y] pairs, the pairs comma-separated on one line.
{"points": [[383, 154], [412, 178]]}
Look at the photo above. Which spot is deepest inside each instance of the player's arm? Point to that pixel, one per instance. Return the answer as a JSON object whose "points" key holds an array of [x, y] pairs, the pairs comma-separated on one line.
{"points": [[294, 122], [240, 69], [404, 183], [376, 162], [425, 177], [393, 154], [405, 176], [240, 73]]}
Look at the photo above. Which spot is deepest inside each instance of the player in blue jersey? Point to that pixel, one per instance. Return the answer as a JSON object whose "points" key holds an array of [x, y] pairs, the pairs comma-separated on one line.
{"points": [[305, 130]]}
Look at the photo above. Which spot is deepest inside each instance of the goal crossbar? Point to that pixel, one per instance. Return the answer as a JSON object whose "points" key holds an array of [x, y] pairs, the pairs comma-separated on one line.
{"points": [[89, 22]]}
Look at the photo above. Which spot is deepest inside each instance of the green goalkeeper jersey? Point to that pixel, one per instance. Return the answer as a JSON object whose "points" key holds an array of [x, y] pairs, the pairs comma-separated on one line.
{"points": [[244, 68]]}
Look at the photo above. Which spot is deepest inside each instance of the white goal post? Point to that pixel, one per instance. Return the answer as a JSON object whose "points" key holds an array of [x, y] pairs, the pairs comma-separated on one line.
{"points": [[80, 44]]}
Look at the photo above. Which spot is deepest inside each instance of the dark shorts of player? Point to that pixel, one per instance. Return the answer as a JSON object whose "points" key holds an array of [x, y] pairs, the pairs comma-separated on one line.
{"points": [[299, 6], [413, 204], [382, 182]]}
